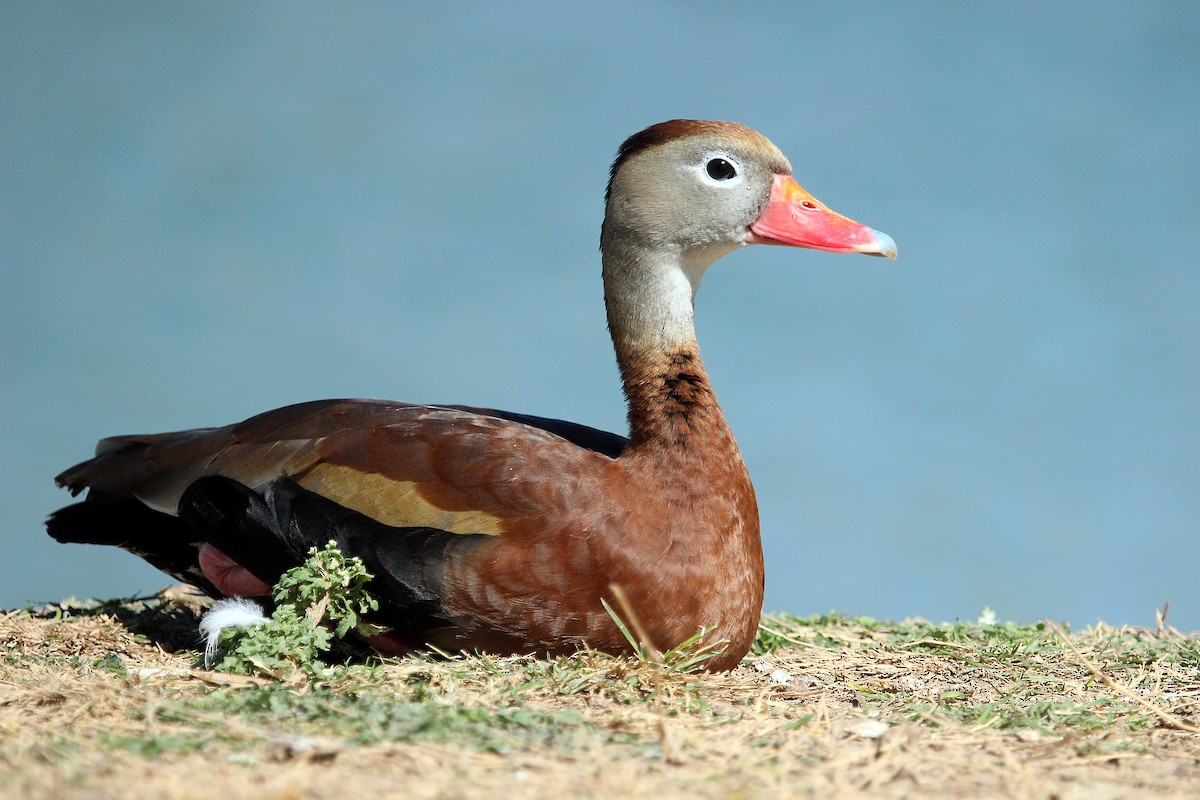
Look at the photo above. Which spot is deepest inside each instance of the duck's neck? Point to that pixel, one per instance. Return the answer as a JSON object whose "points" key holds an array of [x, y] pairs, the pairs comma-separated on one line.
{"points": [[649, 296], [671, 402]]}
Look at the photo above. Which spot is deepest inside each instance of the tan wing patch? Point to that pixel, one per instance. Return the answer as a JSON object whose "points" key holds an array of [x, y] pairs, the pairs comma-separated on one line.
{"points": [[392, 502]]}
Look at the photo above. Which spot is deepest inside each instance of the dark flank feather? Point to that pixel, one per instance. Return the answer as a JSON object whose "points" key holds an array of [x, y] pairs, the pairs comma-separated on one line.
{"points": [[272, 532]]}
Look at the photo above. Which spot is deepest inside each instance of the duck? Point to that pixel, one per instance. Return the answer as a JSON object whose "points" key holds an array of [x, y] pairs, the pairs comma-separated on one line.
{"points": [[487, 530]]}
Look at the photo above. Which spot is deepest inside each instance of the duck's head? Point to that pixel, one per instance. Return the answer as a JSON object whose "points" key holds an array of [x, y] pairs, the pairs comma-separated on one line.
{"points": [[704, 188]]}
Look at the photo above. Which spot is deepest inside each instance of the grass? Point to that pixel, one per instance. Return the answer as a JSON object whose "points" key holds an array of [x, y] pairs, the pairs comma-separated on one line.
{"points": [[825, 706], [1008, 676]]}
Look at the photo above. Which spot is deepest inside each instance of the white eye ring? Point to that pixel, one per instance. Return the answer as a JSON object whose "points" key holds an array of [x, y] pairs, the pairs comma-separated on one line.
{"points": [[719, 169]]}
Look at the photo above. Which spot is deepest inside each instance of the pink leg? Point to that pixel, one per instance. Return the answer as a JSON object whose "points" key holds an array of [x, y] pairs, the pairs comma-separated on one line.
{"points": [[230, 578]]}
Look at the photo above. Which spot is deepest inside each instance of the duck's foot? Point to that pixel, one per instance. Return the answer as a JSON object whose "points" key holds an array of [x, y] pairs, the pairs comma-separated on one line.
{"points": [[230, 577]]}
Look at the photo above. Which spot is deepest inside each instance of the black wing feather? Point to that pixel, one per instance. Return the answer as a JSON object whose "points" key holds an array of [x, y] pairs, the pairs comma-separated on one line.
{"points": [[272, 532]]}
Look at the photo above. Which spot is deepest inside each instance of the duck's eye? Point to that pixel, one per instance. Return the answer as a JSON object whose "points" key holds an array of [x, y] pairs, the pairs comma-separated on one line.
{"points": [[720, 170]]}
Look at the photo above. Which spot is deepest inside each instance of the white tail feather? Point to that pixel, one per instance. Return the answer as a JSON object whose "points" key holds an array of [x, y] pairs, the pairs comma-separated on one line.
{"points": [[234, 612]]}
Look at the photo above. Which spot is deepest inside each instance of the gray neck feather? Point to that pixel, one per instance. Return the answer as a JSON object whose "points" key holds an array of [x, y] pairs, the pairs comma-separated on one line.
{"points": [[650, 293]]}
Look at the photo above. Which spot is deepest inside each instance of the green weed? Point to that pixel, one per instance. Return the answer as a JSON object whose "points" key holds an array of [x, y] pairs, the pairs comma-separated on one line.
{"points": [[323, 599]]}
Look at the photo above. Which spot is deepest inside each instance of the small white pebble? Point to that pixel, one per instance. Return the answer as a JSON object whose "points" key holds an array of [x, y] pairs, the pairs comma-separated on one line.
{"points": [[869, 728], [312, 748], [234, 612], [779, 676]]}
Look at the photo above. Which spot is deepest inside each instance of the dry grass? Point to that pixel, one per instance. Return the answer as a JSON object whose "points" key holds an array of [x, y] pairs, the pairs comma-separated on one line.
{"points": [[107, 702]]}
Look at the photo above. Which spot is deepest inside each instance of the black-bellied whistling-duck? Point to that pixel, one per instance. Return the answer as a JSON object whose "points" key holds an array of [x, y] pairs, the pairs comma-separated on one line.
{"points": [[497, 531]]}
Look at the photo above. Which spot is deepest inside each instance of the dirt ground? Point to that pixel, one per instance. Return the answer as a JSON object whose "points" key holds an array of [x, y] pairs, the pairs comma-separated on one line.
{"points": [[109, 702]]}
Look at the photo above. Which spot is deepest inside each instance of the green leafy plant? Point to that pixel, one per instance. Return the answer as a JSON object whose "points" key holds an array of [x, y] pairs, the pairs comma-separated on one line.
{"points": [[276, 647], [332, 587], [322, 599]]}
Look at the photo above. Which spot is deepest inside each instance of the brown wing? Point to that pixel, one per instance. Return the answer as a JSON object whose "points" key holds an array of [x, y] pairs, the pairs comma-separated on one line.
{"points": [[456, 469]]}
